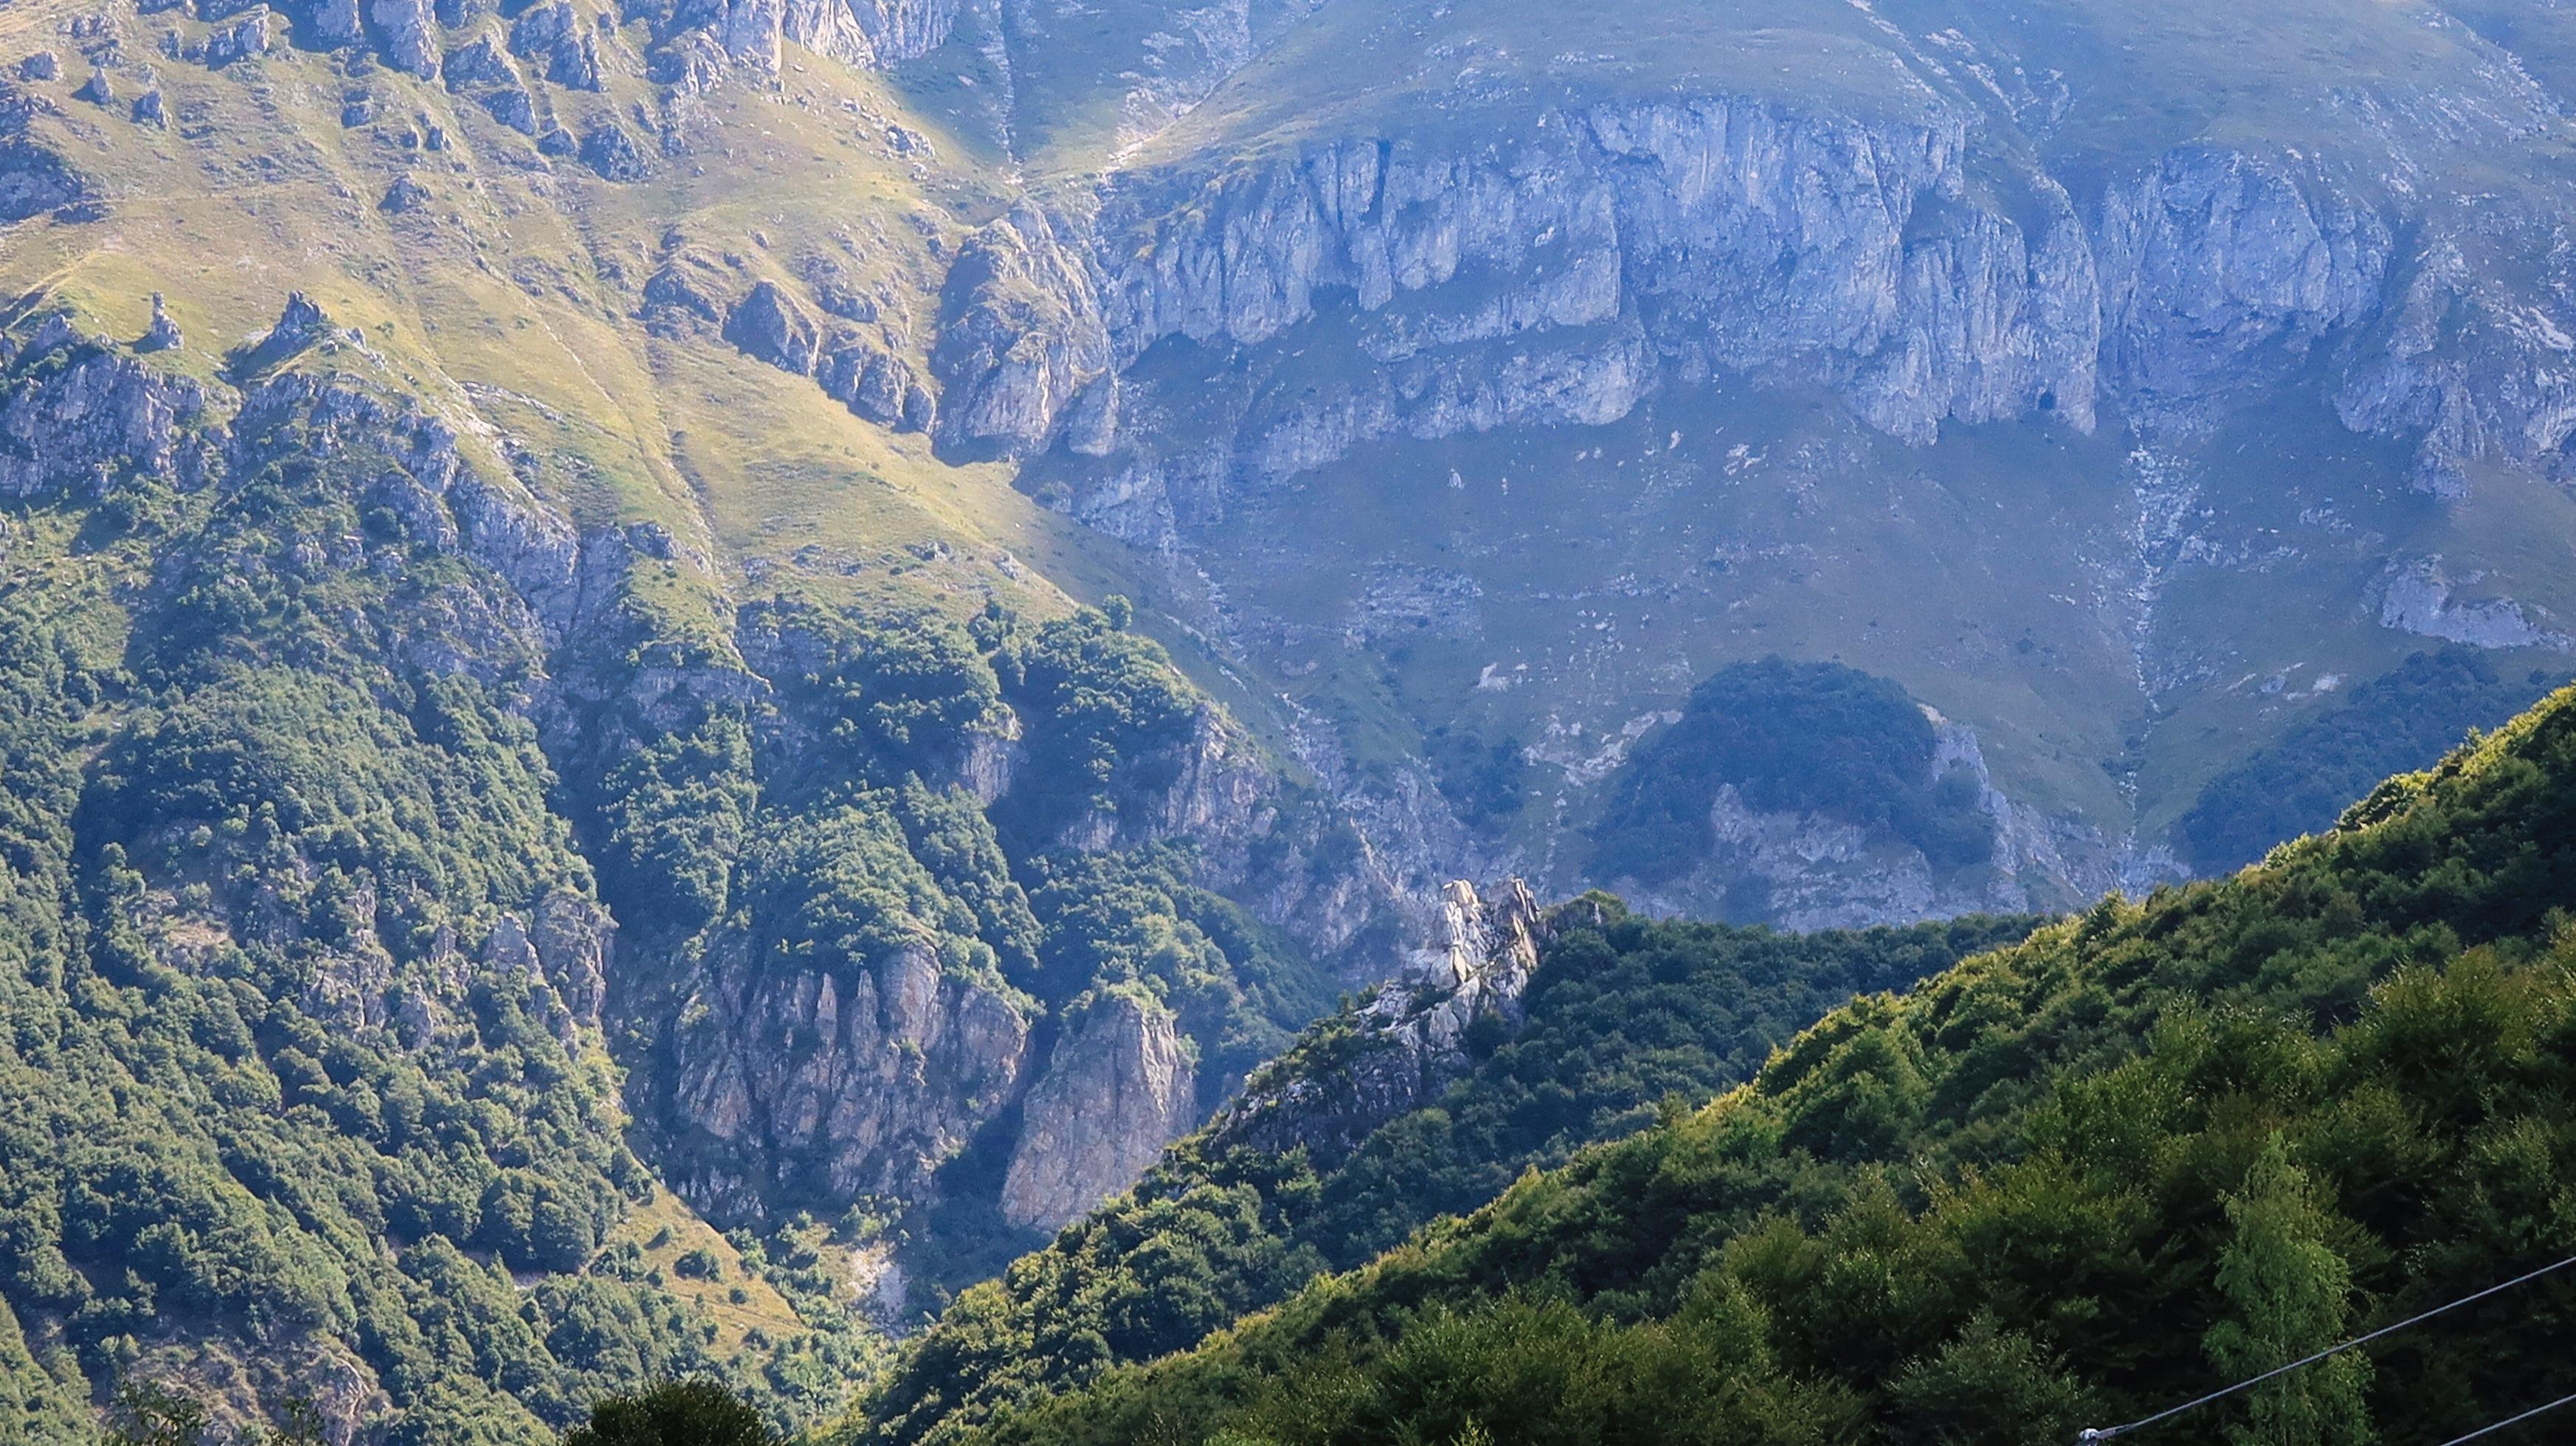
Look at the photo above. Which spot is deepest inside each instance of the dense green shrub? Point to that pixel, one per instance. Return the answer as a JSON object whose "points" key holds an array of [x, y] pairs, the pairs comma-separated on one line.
{"points": [[1789, 737], [2392, 724], [1108, 716], [675, 1413]]}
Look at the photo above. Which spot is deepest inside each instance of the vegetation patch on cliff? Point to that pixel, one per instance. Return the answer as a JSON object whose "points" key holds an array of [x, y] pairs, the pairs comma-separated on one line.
{"points": [[1789, 738]]}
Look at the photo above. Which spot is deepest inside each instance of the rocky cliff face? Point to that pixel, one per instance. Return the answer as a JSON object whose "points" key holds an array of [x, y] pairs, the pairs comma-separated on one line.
{"points": [[1119, 1086], [851, 1086], [1407, 1042], [1599, 254]]}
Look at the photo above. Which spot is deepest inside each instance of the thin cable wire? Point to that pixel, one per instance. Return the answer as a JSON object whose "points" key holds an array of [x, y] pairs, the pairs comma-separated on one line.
{"points": [[2110, 1432], [2512, 1421]]}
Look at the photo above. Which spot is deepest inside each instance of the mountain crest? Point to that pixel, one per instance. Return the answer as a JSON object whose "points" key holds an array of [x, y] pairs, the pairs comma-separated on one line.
{"points": [[1408, 1041]]}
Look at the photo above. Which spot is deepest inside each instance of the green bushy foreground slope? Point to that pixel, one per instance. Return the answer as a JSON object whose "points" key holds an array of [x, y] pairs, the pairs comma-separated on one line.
{"points": [[1623, 1014], [2147, 1151]]}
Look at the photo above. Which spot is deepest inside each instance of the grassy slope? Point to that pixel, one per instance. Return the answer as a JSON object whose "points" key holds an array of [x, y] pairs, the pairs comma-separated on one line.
{"points": [[2045, 1134], [511, 300]]}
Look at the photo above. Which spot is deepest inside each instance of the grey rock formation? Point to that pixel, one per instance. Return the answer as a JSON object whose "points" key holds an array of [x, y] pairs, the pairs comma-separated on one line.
{"points": [[541, 29], [35, 177], [300, 324], [1628, 258], [405, 194], [1021, 335], [101, 415], [873, 33], [862, 1083], [1562, 272], [610, 150], [238, 39], [1407, 1042], [484, 60], [901, 30], [2418, 598], [573, 938], [557, 35], [691, 286], [41, 65], [408, 34], [855, 365], [336, 22], [771, 325], [161, 333], [1118, 1087]]}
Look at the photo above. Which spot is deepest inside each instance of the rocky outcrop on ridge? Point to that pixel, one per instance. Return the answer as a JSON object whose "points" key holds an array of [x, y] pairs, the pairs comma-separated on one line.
{"points": [[854, 364], [1403, 1046]]}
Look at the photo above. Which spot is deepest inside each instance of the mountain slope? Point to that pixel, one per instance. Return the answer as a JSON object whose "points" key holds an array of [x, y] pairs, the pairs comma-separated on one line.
{"points": [[1382, 1119], [2021, 360], [2070, 1181], [613, 521], [383, 829], [471, 630]]}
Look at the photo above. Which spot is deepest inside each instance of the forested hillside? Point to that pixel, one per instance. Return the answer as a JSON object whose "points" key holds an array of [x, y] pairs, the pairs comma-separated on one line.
{"points": [[1622, 1017], [2394, 724], [2150, 1150], [425, 934]]}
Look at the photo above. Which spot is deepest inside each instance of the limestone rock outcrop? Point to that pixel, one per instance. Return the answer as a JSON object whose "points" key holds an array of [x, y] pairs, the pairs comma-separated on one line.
{"points": [[1408, 1042], [409, 35], [1118, 1087], [1563, 271], [35, 176], [872, 33], [1021, 335], [103, 413], [856, 365], [849, 1084]]}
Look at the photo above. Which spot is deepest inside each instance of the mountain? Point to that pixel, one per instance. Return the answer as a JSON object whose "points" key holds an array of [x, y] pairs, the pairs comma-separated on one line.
{"points": [[682, 673], [2121, 386], [1470, 384], [2147, 1151], [547, 857], [391, 883]]}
